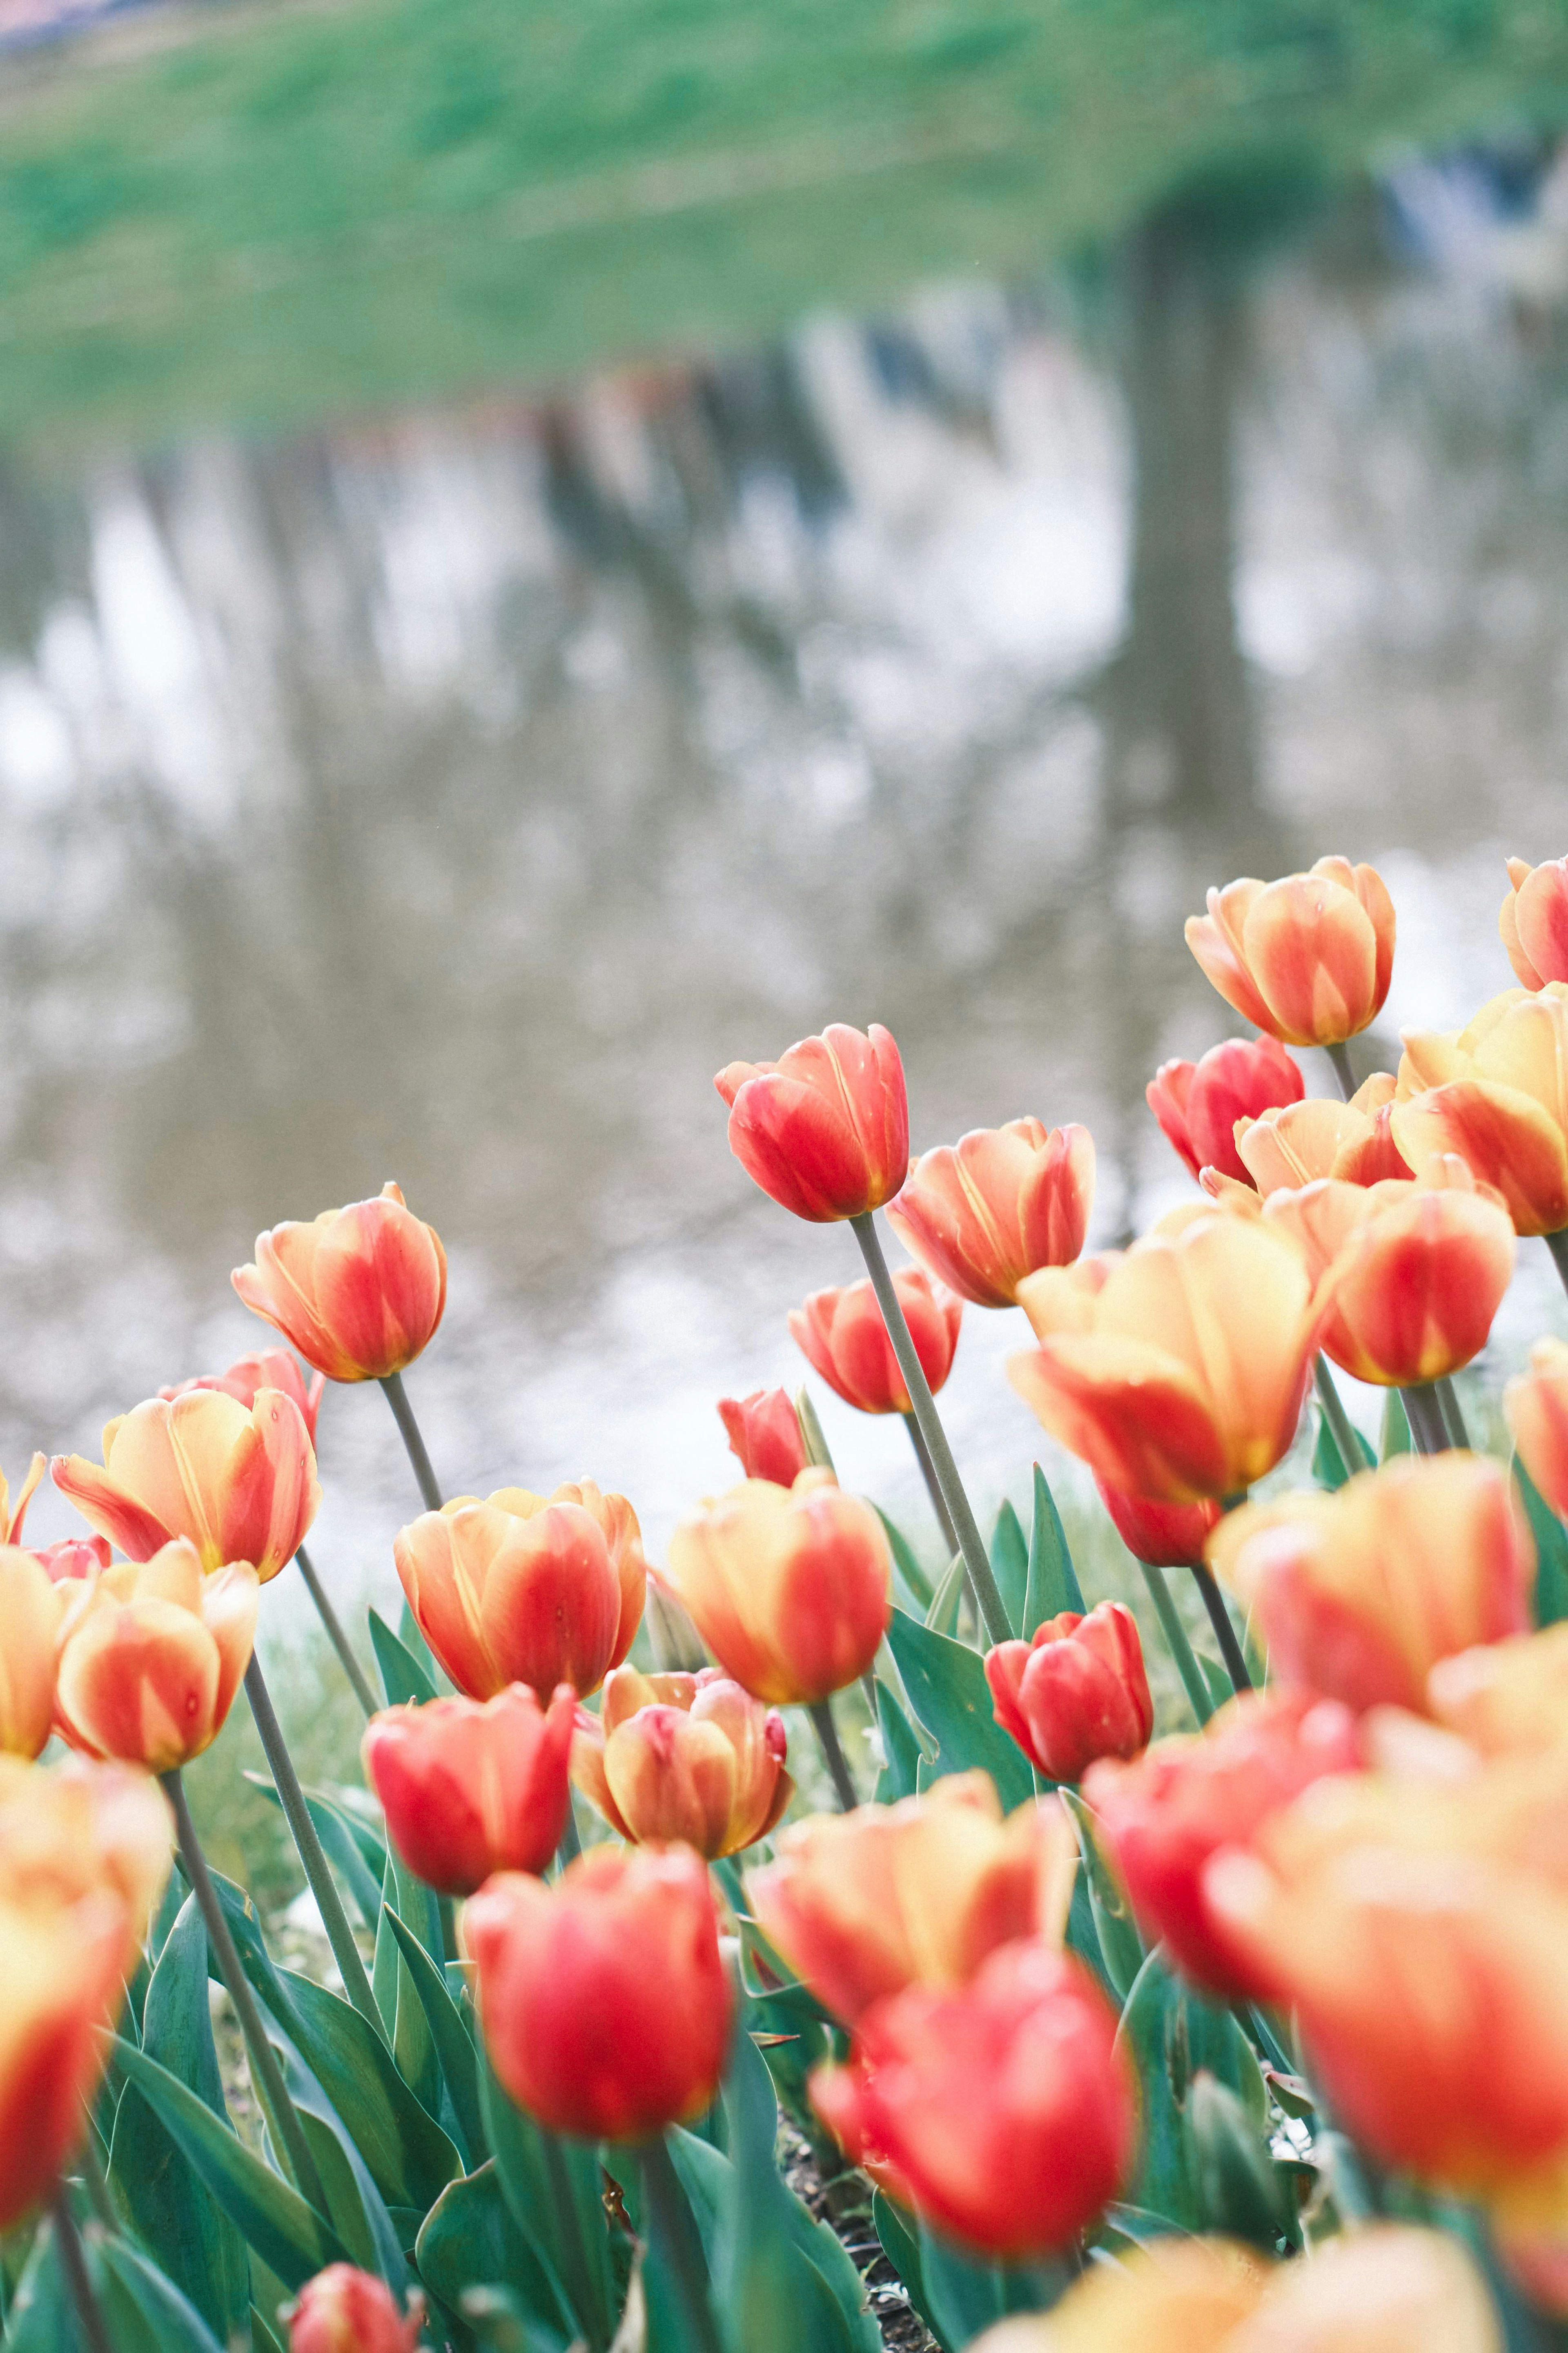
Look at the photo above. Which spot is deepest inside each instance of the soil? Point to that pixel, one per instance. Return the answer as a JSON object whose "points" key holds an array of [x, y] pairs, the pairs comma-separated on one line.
{"points": [[844, 2204]]}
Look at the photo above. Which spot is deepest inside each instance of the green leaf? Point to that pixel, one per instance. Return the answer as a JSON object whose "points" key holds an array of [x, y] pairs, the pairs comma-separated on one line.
{"points": [[1395, 1427], [1120, 1946], [41, 2319], [1551, 1550], [772, 2295], [906, 1568], [964, 2297], [948, 1690], [1052, 1584], [469, 2239], [1329, 1466], [403, 1677], [1245, 2194], [409, 2157], [1172, 2032], [145, 2312], [413, 2045], [342, 1844], [449, 2033], [524, 2167], [948, 1599], [417, 1648], [900, 2238], [1010, 1563], [898, 1776]]}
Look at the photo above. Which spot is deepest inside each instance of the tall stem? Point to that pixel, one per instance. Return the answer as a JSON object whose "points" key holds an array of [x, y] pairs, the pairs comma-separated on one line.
{"points": [[833, 1756], [1341, 1427], [73, 2262], [571, 1845], [671, 2227], [982, 1583], [403, 1414], [1557, 1245], [1452, 1411], [1219, 1618], [268, 2076], [1187, 1667], [286, 1781], [335, 1634], [1340, 1056], [1424, 1412], [934, 1484]]}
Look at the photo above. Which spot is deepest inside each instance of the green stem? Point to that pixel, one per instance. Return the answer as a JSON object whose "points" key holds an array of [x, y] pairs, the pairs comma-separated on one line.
{"points": [[323, 1888], [403, 1414], [1187, 1667], [982, 1583], [934, 1484], [1453, 1415], [94, 2328], [97, 2181], [1219, 1618], [571, 2247], [571, 1845], [1340, 1428], [812, 1439], [833, 1757], [672, 2230], [1424, 1411], [1340, 1056], [335, 1634]]}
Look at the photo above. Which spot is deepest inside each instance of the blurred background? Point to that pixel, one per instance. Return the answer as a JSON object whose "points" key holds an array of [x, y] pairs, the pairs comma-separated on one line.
{"points": [[543, 550]]}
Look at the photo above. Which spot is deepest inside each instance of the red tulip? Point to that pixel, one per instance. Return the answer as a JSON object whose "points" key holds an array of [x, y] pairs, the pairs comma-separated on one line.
{"points": [[999, 1204], [765, 1435], [842, 1335], [267, 1368], [825, 1130], [1166, 1535], [359, 1292], [342, 2310], [683, 1756], [1076, 1692], [1533, 921], [470, 1787], [1198, 1104], [74, 1556]]}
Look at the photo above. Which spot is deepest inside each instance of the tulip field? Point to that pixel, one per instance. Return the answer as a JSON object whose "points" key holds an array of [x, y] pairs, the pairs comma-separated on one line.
{"points": [[1081, 2031]]}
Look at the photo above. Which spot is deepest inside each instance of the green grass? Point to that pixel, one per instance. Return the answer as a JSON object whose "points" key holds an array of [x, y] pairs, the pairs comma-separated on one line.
{"points": [[294, 212]]}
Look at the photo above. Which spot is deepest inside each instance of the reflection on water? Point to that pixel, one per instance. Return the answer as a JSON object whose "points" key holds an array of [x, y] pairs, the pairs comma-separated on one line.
{"points": [[450, 799]]}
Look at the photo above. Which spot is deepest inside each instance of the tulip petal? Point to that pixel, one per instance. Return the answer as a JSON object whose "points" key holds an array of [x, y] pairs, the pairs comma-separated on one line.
{"points": [[1503, 1134], [106, 1507], [1131, 1411]]}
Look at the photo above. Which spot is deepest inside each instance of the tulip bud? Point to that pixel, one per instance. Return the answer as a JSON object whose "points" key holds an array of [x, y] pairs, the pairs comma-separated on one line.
{"points": [[824, 1131], [683, 1758], [1409, 1294], [237, 1486], [359, 1292], [525, 1589], [789, 1587], [267, 1368], [1536, 1408], [1076, 1692], [1199, 1103], [1163, 1817], [842, 1335], [1494, 1096], [1163, 1535], [765, 1435], [997, 1205], [469, 1788], [150, 1655], [30, 1611], [342, 2310], [1308, 959], [602, 1998], [1359, 1593], [1506, 1698], [73, 1557], [1005, 2106], [1533, 921], [865, 1903]]}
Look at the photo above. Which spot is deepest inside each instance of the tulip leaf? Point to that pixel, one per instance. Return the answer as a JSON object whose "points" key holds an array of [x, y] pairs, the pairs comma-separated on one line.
{"points": [[900, 2237], [145, 2312], [898, 1776], [469, 2239], [948, 1599], [413, 2045], [411, 1636], [403, 1678], [1052, 1584], [343, 1846], [948, 1690], [40, 2319], [1010, 1563], [1551, 1550], [1395, 1427], [906, 1568], [1329, 1468], [454, 2044], [1172, 2033], [1120, 1946], [539, 2174], [409, 2157], [1243, 2193], [964, 2297]]}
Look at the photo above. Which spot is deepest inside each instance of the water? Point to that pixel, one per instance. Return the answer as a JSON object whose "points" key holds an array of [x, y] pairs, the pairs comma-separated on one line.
{"points": [[447, 797]]}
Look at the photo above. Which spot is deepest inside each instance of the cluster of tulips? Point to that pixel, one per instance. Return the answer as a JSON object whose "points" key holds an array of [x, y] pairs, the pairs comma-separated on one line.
{"points": [[1253, 2036]]}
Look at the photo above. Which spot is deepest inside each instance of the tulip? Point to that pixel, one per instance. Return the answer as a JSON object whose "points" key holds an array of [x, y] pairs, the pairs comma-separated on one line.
{"points": [[267, 1368], [765, 1435], [1005, 2107], [1163, 1535], [1181, 1377], [237, 1486], [1308, 959], [1076, 1692], [1163, 1817], [1506, 1698], [1535, 1405], [603, 2000], [1533, 921], [1169, 2295], [77, 1828], [1494, 1095], [150, 1655], [1351, 1141], [789, 1587], [842, 1335], [1002, 1202], [1198, 1104], [470, 1787], [342, 2310], [61, 1965], [865, 1903], [13, 1515], [1359, 1593], [30, 1611], [72, 1557], [683, 1756], [824, 1131], [359, 1292], [522, 1588]]}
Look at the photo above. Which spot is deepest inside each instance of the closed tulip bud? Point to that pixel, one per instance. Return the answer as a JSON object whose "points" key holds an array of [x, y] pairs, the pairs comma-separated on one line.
{"points": [[342, 2310], [865, 1903], [842, 1335], [1359, 1593], [765, 1435], [1533, 921], [824, 1131], [1164, 1535], [30, 1612], [789, 1587], [77, 1828], [1006, 2106], [526, 1590], [1078, 1691], [1506, 1698], [150, 1655], [237, 1486], [470, 1787], [687, 1757], [1536, 1408], [1410, 1293], [266, 1368], [1181, 1376], [1308, 959], [359, 1292], [1002, 1202], [1199, 1103], [1493, 1095], [603, 2000], [1162, 1818], [73, 1557]]}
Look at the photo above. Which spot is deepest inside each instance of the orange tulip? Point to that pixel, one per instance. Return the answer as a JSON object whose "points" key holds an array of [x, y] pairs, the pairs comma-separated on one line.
{"points": [[359, 1292], [30, 1611], [1509, 1697], [863, 1904], [824, 1131], [59, 1971], [1166, 1535], [681, 1757], [342, 2310], [603, 2002], [522, 1588], [238, 1485], [1536, 1407], [1352, 1141], [983, 1212], [470, 1787], [1076, 1692], [1497, 1095], [150, 1655], [1359, 1593], [1181, 1377], [265, 1369], [1533, 921], [1005, 2107], [1199, 1105], [842, 1335], [1308, 959], [69, 1830], [763, 1431], [787, 1586]]}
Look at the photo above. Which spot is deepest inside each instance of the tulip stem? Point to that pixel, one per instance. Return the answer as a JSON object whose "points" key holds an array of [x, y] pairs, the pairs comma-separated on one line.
{"points": [[1557, 1244], [1341, 1430], [73, 2262], [1448, 1399], [833, 1757], [1219, 1618], [969, 1541], [1340, 1056], [271, 2093], [934, 1484], [571, 1845], [291, 1798], [1424, 1411], [1175, 1633], [811, 1436], [335, 1634], [403, 1414], [96, 2181], [667, 2220]]}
